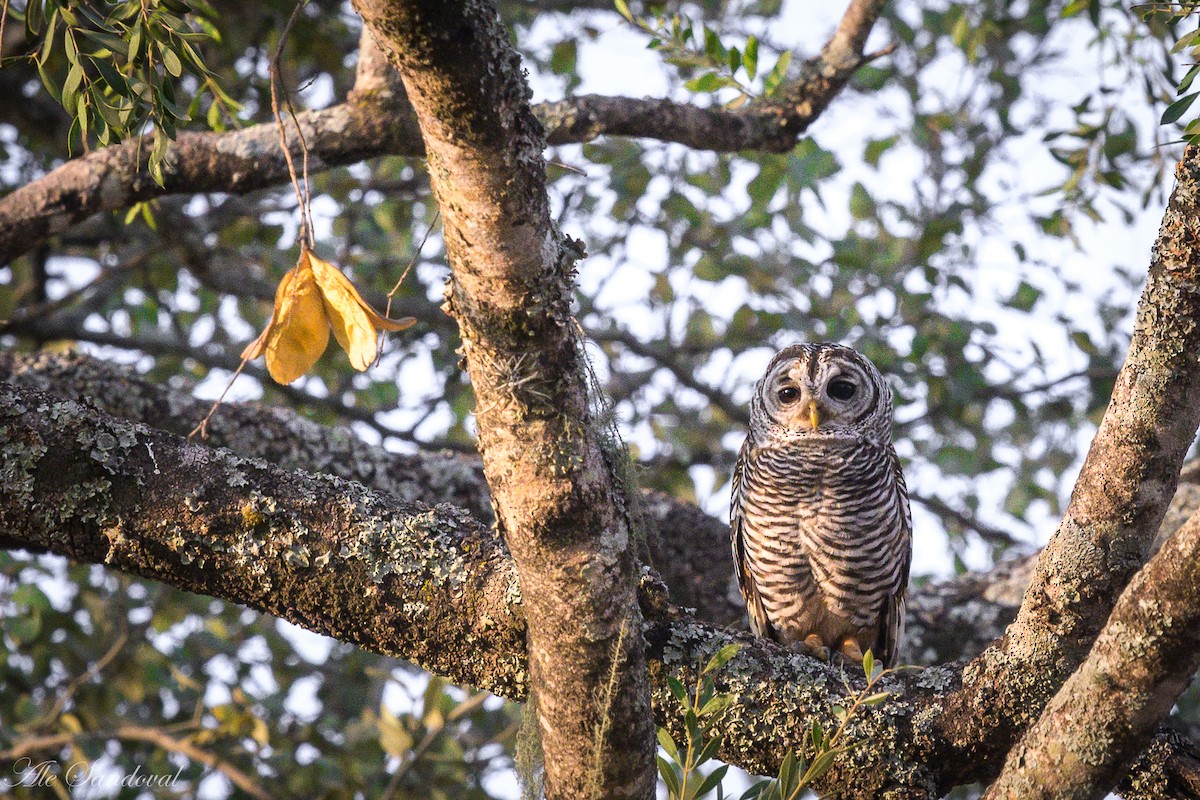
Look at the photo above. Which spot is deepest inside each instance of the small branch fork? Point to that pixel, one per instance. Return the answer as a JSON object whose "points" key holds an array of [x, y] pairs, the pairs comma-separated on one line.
{"points": [[377, 123]]}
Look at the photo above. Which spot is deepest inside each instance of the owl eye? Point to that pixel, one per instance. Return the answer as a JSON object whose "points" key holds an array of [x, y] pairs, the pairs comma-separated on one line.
{"points": [[841, 390], [788, 394]]}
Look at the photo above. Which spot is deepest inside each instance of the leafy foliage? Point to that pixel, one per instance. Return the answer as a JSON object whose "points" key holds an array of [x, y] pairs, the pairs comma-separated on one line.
{"points": [[928, 221], [117, 655], [123, 64], [693, 46]]}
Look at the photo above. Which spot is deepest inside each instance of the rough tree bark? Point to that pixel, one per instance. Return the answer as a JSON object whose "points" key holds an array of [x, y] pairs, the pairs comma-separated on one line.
{"points": [[1118, 502], [427, 584], [1141, 662], [557, 497]]}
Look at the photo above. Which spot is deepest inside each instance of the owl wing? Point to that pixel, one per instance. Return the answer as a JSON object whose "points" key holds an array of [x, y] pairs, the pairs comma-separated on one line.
{"points": [[891, 623], [745, 578]]}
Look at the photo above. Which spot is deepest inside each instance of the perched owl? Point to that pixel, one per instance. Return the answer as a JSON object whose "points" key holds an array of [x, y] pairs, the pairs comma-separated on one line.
{"points": [[822, 536]]}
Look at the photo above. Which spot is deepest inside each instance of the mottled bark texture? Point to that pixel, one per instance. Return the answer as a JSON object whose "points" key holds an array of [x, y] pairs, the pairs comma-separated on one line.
{"points": [[317, 550], [1121, 496], [556, 495], [377, 121], [427, 584], [689, 548], [1142, 661]]}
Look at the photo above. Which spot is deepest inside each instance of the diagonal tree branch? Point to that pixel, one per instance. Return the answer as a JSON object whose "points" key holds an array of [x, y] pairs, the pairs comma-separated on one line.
{"points": [[1107, 710], [1118, 502], [377, 120]]}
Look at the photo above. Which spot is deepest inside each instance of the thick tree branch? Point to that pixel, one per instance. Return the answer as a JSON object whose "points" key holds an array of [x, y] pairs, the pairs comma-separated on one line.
{"points": [[317, 550], [689, 548], [947, 620], [430, 585], [376, 121], [556, 492], [1121, 496], [1140, 664]]}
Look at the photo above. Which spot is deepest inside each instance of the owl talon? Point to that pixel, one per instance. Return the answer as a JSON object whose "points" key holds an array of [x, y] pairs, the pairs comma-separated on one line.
{"points": [[815, 646], [852, 651]]}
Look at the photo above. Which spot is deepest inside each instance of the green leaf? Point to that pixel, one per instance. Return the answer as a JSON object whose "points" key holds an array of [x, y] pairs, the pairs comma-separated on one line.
{"points": [[692, 722], [623, 9], [722, 657], [677, 690], [70, 89], [110, 77], [1186, 83], [708, 750], [717, 704], [709, 82], [668, 744], [28, 597], [821, 764], [81, 114], [171, 62], [868, 664], [750, 57], [670, 777], [1178, 108], [1025, 297], [712, 45], [135, 43], [787, 775], [862, 205], [711, 781], [961, 32], [775, 79], [877, 147], [70, 48]]}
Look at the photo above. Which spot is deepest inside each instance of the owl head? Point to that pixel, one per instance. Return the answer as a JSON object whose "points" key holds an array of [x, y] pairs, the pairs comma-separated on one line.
{"points": [[822, 390]]}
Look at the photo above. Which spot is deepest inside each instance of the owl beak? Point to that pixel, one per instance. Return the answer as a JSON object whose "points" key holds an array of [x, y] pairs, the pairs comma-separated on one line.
{"points": [[814, 415]]}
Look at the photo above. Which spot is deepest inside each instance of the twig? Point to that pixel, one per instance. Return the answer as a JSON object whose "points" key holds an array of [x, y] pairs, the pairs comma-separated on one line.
{"points": [[301, 197], [202, 428], [387, 311], [92, 671]]}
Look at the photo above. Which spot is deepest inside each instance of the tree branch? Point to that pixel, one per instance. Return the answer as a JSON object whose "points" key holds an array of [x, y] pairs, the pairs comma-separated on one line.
{"points": [[1119, 500], [556, 492], [429, 585], [1142, 661], [947, 620], [376, 120]]}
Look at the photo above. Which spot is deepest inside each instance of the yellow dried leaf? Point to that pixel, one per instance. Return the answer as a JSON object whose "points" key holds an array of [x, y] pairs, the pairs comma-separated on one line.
{"points": [[313, 297], [298, 332], [355, 324]]}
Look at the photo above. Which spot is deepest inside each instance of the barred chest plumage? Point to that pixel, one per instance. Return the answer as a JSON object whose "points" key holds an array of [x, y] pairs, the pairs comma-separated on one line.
{"points": [[820, 525]]}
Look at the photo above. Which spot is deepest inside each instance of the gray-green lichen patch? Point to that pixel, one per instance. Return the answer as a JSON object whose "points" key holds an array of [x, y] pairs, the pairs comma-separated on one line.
{"points": [[419, 546], [21, 456], [85, 501], [107, 448]]}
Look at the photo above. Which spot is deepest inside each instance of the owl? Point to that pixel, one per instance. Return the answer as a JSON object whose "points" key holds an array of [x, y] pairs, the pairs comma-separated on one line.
{"points": [[822, 535]]}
